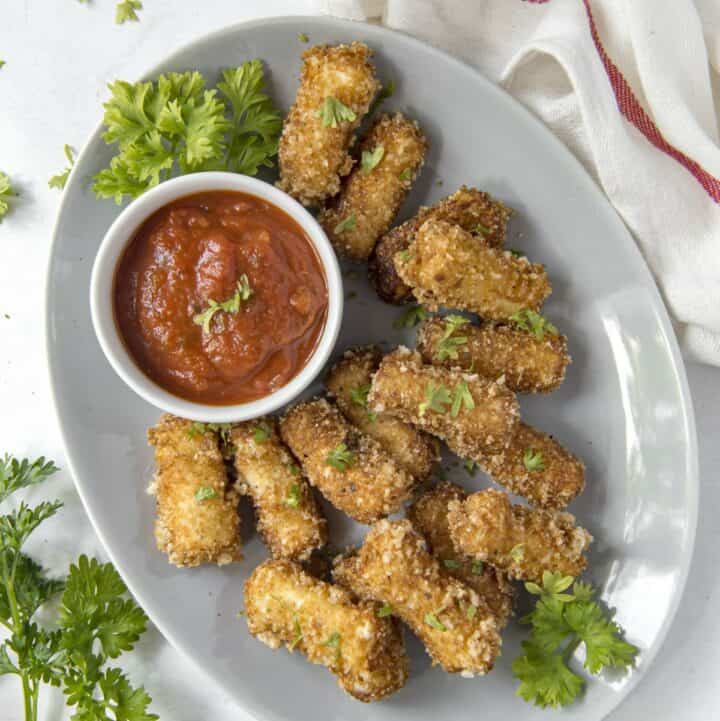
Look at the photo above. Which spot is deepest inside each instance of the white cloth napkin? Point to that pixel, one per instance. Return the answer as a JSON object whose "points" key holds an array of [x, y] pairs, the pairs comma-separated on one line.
{"points": [[664, 60]]}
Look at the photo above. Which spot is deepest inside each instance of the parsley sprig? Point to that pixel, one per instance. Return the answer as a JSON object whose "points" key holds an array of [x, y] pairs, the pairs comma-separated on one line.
{"points": [[96, 622], [560, 622], [242, 293], [58, 181]]}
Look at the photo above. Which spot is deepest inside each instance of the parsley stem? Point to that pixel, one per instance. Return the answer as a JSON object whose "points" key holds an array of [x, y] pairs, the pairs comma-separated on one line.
{"points": [[570, 649]]}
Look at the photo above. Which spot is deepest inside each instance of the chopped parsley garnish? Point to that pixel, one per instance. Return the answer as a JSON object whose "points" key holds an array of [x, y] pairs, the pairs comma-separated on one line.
{"points": [[410, 317], [341, 458], [533, 323], [471, 611], [332, 112], [198, 428], [432, 620], [359, 396], [449, 343], [6, 192], [461, 397], [517, 553], [346, 224], [385, 610], [298, 632], [482, 229], [404, 255], [406, 175], [242, 293], [59, 181], [303, 38], [533, 460], [516, 253], [559, 623], [126, 11], [386, 92], [370, 159], [470, 466], [293, 496], [334, 640], [477, 568], [2, 64], [451, 564], [262, 432], [295, 470], [436, 398], [204, 493]]}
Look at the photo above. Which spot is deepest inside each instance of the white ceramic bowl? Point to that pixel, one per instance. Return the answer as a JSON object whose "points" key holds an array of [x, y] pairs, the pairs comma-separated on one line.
{"points": [[101, 296]]}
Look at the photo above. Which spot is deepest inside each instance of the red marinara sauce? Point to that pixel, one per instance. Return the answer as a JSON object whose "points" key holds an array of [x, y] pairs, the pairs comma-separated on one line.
{"points": [[196, 250]]}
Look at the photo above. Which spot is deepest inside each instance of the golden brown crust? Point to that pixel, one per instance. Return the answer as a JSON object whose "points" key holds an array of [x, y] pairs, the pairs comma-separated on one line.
{"points": [[371, 486], [189, 530], [374, 198], [348, 383], [558, 478], [428, 514], [313, 158], [394, 567], [401, 386], [522, 541], [471, 209], [285, 605], [497, 350], [446, 266], [288, 516]]}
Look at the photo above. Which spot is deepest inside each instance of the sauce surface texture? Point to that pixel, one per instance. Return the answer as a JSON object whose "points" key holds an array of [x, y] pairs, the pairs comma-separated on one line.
{"points": [[194, 252]]}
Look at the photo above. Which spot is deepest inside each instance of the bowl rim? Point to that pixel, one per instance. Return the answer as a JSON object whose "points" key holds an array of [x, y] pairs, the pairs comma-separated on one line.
{"points": [[113, 246]]}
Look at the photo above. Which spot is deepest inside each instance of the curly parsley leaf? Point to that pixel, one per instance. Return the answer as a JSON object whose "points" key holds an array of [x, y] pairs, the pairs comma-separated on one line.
{"points": [[436, 398], [410, 317], [15, 474], [533, 460], [341, 458], [58, 181], [534, 323], [126, 11], [6, 192], [332, 112]]}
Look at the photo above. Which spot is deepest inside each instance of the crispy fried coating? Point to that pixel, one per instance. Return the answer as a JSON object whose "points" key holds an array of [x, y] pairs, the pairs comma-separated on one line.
{"points": [[393, 565], [403, 387], [192, 530], [374, 197], [428, 514], [446, 266], [288, 516], [313, 157], [537, 467], [349, 384], [522, 541], [349, 468], [471, 209], [495, 350], [286, 605]]}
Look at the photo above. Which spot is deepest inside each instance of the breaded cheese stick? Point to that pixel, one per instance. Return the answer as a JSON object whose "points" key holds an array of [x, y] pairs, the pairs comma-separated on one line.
{"points": [[337, 86], [393, 566], [197, 519], [288, 516], [286, 605], [446, 266], [392, 154], [471, 209], [494, 350], [472, 415], [348, 467], [522, 541], [537, 467], [349, 384], [429, 517]]}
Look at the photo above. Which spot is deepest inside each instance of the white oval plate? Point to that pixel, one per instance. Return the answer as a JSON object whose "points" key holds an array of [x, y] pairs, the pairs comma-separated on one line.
{"points": [[624, 408]]}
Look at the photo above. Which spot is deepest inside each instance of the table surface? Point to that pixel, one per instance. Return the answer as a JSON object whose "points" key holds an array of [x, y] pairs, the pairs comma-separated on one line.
{"points": [[59, 55]]}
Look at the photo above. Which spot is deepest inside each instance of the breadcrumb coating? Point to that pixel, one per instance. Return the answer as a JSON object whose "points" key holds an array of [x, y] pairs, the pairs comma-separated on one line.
{"points": [[192, 530], [286, 605], [522, 541], [374, 198], [313, 157], [497, 350], [428, 514], [446, 266], [349, 383], [554, 478], [471, 209], [393, 566], [402, 385], [288, 516], [369, 486]]}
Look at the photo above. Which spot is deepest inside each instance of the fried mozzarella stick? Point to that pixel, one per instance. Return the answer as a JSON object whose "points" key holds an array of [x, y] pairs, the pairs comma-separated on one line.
{"points": [[392, 154], [337, 86], [537, 467], [471, 209], [348, 467], [429, 517], [393, 566], [492, 350], [288, 517], [197, 520], [286, 605], [472, 415], [446, 266], [349, 384], [522, 541]]}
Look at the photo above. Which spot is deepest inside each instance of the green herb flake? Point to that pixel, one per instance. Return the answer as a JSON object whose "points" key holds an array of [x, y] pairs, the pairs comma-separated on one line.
{"points": [[448, 344], [334, 640], [59, 181], [451, 564], [533, 461], [482, 229], [461, 397], [406, 175], [348, 223], [436, 398], [332, 112], [432, 620], [126, 11], [243, 291], [303, 38], [341, 458], [410, 317], [534, 323], [298, 633], [477, 568], [517, 553], [471, 611], [262, 432], [470, 465], [205, 493], [516, 253], [385, 610], [370, 159], [293, 497], [293, 469], [6, 192]]}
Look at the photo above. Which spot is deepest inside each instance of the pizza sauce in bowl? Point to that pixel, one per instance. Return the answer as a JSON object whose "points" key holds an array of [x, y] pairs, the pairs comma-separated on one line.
{"points": [[220, 297]]}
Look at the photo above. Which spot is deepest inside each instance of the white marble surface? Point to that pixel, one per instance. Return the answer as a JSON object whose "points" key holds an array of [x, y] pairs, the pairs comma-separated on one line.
{"points": [[59, 55]]}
